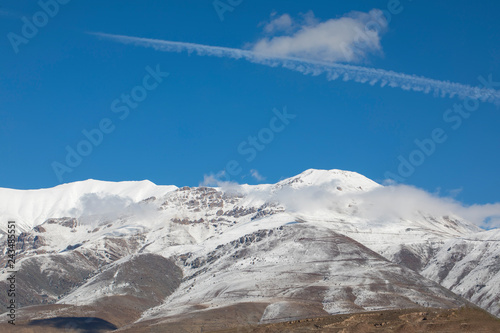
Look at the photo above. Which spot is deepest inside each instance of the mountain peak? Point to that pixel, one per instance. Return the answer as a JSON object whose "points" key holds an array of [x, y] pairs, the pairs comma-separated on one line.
{"points": [[344, 180]]}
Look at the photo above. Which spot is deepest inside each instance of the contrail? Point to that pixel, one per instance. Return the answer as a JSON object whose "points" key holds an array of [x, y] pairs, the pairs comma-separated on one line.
{"points": [[332, 71]]}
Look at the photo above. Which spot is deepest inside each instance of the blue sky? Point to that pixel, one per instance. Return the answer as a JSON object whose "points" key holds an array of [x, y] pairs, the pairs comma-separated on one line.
{"points": [[63, 79]]}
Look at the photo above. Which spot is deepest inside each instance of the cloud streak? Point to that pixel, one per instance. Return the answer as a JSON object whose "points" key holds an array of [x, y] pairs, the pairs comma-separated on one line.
{"points": [[332, 71]]}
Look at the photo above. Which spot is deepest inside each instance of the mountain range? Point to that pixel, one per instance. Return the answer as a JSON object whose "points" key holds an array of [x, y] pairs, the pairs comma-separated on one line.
{"points": [[135, 255]]}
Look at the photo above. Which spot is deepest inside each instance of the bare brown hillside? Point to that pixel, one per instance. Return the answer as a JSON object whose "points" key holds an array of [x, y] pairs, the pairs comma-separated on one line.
{"points": [[229, 320]]}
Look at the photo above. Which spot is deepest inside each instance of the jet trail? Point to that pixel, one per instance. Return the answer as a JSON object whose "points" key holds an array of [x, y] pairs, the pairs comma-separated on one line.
{"points": [[332, 71]]}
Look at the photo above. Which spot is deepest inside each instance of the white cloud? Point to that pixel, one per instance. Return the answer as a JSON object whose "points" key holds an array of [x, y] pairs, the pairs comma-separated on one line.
{"points": [[255, 174], [219, 181], [280, 24], [408, 202], [346, 39], [99, 208], [386, 203], [211, 179], [455, 192]]}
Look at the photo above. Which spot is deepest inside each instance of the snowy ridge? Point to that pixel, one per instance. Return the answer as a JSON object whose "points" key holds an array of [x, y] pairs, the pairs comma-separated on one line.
{"points": [[346, 180], [30, 208]]}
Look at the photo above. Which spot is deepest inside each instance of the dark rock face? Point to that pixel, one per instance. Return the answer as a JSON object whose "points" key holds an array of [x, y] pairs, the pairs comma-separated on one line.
{"points": [[408, 259], [44, 281], [147, 276], [39, 229], [69, 222], [29, 241], [267, 209], [72, 247]]}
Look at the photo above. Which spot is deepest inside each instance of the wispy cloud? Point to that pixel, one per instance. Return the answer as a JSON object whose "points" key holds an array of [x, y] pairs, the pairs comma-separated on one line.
{"points": [[333, 71], [407, 201], [219, 180], [212, 179], [255, 174], [455, 192], [99, 208], [283, 23], [344, 39], [385, 203]]}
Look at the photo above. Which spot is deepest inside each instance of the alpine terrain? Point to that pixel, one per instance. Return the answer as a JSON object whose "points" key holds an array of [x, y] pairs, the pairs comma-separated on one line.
{"points": [[134, 256]]}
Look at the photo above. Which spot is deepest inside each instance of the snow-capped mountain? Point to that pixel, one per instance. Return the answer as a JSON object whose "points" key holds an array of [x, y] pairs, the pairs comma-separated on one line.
{"points": [[322, 242]]}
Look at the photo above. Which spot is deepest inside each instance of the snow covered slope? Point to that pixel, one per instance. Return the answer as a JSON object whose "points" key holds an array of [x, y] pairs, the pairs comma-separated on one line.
{"points": [[30, 208], [299, 271], [470, 266], [337, 179]]}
